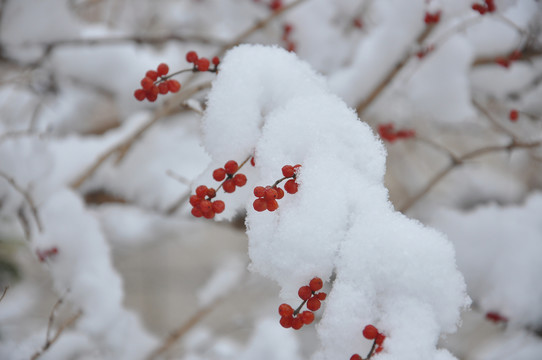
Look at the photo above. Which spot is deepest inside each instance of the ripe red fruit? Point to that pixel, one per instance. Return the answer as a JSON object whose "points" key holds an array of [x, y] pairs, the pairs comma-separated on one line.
{"points": [[290, 186], [140, 94], [297, 323], [380, 339], [286, 321], [285, 310], [356, 357], [196, 212], [153, 75], [370, 332], [480, 8], [163, 88], [515, 55], [280, 193], [209, 214], [275, 4], [259, 191], [288, 170], [259, 205], [211, 193], [194, 200], [240, 179], [321, 296], [313, 303], [147, 83], [252, 161], [191, 56], [173, 85], [231, 167], [502, 62], [379, 349], [272, 205], [205, 206], [162, 69], [203, 64], [304, 292], [151, 96], [201, 191], [271, 194], [218, 206], [316, 284], [514, 115], [228, 186], [216, 61], [219, 174], [307, 317]]}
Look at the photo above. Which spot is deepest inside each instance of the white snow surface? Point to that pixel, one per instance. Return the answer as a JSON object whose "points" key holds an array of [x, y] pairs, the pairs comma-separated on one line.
{"points": [[389, 270]]}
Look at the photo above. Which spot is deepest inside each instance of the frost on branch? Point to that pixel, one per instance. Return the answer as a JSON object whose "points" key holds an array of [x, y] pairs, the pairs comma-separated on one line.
{"points": [[390, 271]]}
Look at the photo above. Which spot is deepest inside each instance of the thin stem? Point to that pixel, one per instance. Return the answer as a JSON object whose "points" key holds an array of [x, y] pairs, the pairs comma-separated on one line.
{"points": [[372, 351], [27, 198], [59, 331], [4, 292]]}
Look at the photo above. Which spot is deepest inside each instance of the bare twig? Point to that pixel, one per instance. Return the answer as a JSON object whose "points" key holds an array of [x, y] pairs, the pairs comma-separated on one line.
{"points": [[59, 331], [177, 334], [26, 196], [494, 121], [4, 292], [459, 161]]}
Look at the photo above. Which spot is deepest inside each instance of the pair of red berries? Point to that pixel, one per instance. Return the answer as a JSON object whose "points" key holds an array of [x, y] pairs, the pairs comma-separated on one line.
{"points": [[267, 196], [201, 64], [507, 61], [202, 204], [370, 332], [151, 86], [487, 6], [295, 319], [432, 18]]}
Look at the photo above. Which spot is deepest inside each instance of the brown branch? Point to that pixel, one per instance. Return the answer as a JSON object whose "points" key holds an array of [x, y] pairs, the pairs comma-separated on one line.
{"points": [[61, 328], [492, 119], [459, 161], [27, 198], [177, 334], [364, 104], [4, 292], [526, 55]]}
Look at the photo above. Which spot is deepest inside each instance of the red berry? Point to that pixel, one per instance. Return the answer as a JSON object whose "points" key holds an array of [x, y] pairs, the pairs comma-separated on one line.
{"points": [[228, 186], [272, 205], [490, 5], [162, 69], [307, 317], [219, 174], [514, 114], [153, 75], [304, 292], [370, 332], [195, 200], [480, 8], [231, 167], [275, 4], [259, 191], [209, 214], [240, 179], [286, 321], [290, 186], [147, 83], [259, 205], [288, 171], [356, 357], [154, 90], [163, 88], [191, 56], [218, 206], [280, 193], [205, 206], [379, 349], [380, 339], [140, 94], [503, 62], [297, 323], [201, 191], [203, 64], [313, 303], [285, 310], [515, 55], [216, 61], [316, 284], [271, 194], [151, 96], [173, 85], [321, 296], [211, 193], [252, 161], [358, 23], [196, 212]]}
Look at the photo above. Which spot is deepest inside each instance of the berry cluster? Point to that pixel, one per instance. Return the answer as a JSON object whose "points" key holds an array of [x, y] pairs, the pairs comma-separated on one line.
{"points": [[151, 86], [370, 332], [202, 204], [47, 253], [432, 18], [487, 7], [506, 61], [295, 319], [513, 115], [287, 30], [388, 133], [267, 196], [202, 64]]}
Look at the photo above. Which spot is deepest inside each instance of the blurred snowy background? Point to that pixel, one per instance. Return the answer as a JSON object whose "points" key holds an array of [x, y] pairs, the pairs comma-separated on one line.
{"points": [[94, 185]]}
